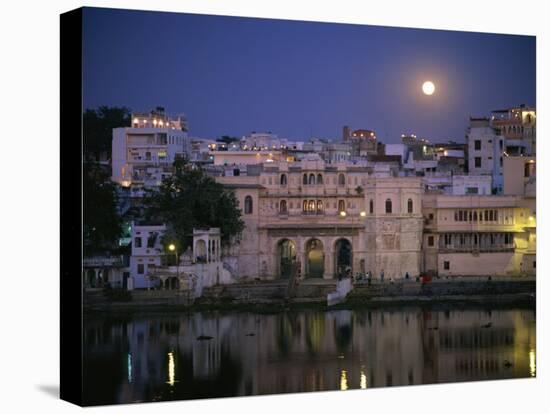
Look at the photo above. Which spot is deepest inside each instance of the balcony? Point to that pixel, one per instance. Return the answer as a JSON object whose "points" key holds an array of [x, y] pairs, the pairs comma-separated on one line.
{"points": [[476, 250], [100, 261]]}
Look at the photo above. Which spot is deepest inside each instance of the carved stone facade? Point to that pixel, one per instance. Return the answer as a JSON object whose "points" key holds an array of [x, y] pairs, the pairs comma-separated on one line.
{"points": [[324, 220]]}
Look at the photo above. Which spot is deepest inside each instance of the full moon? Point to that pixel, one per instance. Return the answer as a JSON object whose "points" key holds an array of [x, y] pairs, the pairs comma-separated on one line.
{"points": [[428, 88]]}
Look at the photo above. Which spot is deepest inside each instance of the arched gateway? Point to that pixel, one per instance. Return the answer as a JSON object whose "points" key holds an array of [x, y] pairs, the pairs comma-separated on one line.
{"points": [[287, 258], [343, 257], [315, 259]]}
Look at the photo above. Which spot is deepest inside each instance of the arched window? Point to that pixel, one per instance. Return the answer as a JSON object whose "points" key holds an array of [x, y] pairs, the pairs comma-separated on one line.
{"points": [[371, 206], [341, 205], [319, 206], [304, 181], [319, 179], [341, 180], [283, 179], [388, 206], [282, 207], [304, 206], [248, 205], [311, 179], [409, 206], [311, 206]]}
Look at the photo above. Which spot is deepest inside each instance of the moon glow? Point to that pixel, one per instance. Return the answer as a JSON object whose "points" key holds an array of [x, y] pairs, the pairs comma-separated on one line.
{"points": [[428, 88]]}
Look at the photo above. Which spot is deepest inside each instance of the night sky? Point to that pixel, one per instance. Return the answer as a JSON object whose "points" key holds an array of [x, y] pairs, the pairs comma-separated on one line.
{"points": [[231, 76]]}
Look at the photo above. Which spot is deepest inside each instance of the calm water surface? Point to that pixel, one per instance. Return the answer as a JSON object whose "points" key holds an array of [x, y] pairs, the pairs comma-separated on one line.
{"points": [[158, 357]]}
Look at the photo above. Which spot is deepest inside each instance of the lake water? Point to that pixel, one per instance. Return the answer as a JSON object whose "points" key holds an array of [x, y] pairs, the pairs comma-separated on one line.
{"points": [[163, 357]]}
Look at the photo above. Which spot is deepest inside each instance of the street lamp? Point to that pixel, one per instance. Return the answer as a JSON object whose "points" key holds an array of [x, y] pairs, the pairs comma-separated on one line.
{"points": [[172, 247]]}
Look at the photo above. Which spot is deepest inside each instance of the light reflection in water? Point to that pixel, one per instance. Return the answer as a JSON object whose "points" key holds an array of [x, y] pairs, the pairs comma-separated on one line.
{"points": [[129, 365], [251, 354], [171, 369], [363, 383], [532, 363], [343, 380]]}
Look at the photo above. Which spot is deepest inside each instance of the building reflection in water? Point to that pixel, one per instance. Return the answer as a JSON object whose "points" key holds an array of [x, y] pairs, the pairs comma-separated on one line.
{"points": [[153, 358]]}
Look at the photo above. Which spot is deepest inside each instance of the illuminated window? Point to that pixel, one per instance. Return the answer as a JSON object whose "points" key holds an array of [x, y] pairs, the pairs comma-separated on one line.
{"points": [[319, 206], [341, 205]]}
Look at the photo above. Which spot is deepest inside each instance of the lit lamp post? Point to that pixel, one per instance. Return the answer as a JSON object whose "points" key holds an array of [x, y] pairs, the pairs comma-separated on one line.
{"points": [[172, 247]]}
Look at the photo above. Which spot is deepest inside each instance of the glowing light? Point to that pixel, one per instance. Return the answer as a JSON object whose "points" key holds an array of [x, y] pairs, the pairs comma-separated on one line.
{"points": [[363, 383], [172, 247], [531, 218], [136, 120], [171, 369], [428, 88], [343, 380], [129, 364], [532, 363], [342, 214], [363, 213]]}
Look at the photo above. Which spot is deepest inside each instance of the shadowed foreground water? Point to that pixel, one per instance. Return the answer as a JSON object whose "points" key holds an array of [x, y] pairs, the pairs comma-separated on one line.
{"points": [[156, 357]]}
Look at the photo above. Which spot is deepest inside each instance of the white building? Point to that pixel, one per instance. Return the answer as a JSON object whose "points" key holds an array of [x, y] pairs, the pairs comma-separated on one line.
{"points": [[263, 141], [471, 184], [486, 147], [147, 252], [142, 155]]}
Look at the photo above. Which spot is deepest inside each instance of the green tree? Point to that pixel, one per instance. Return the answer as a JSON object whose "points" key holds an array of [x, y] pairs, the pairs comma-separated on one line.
{"points": [[191, 199], [102, 225], [98, 127]]}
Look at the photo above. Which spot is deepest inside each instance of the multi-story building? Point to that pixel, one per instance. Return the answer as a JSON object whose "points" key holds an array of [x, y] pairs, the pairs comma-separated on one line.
{"points": [[143, 154], [147, 253], [518, 127], [479, 235], [485, 151], [321, 220]]}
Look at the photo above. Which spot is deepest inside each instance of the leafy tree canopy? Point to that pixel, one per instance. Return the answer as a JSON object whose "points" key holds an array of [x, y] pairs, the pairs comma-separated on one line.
{"points": [[98, 127], [102, 224], [191, 199]]}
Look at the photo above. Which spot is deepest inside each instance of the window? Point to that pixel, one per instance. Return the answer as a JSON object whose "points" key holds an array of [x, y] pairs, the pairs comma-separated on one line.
{"points": [[319, 179], [140, 268], [446, 265], [430, 240], [388, 206], [471, 190], [304, 206], [311, 179], [311, 206], [248, 205], [477, 144], [283, 179], [501, 161], [341, 205], [319, 206], [282, 207], [304, 181], [341, 180], [409, 206], [371, 206], [477, 161], [147, 155], [137, 242], [431, 216]]}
